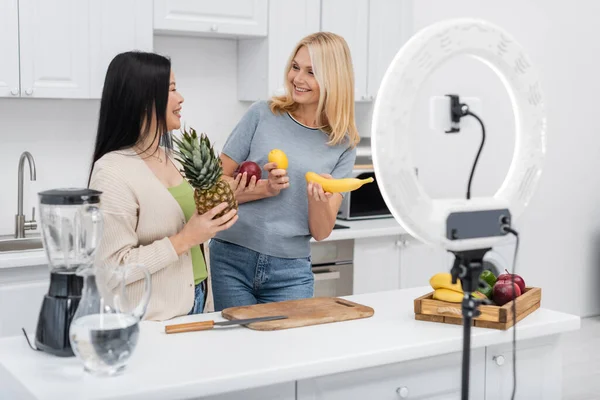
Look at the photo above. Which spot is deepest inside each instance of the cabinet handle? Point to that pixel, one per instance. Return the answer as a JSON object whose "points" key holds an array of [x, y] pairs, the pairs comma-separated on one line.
{"points": [[29, 92], [499, 360], [402, 392], [14, 92], [214, 27], [401, 243]]}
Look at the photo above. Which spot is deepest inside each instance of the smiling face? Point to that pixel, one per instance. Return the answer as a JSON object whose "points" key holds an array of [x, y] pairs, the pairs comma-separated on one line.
{"points": [[173, 105], [304, 87]]}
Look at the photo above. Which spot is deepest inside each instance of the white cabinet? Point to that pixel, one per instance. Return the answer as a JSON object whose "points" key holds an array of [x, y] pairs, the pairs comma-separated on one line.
{"points": [[375, 30], [261, 62], [236, 18], [283, 391], [539, 370], [390, 26], [377, 264], [395, 262], [419, 262], [61, 48], [54, 39], [429, 378], [350, 19], [114, 32], [22, 290], [9, 48]]}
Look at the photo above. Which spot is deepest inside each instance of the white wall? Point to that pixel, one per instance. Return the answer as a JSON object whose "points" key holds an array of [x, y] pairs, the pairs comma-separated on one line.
{"points": [[560, 249], [60, 134]]}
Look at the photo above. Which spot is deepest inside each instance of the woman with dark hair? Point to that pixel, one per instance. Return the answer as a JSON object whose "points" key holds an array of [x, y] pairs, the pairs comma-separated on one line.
{"points": [[148, 207]]}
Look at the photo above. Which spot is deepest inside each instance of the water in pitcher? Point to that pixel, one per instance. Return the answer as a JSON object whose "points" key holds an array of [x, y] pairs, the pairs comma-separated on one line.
{"points": [[104, 342]]}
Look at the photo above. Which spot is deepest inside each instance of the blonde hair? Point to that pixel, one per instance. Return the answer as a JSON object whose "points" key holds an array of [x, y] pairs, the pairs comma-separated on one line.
{"points": [[332, 67]]}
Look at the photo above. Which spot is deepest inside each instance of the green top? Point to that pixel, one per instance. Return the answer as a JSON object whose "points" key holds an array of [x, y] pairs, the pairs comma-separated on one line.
{"points": [[184, 194]]}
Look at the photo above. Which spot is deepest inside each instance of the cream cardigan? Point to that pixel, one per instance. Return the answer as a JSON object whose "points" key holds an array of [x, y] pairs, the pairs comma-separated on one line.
{"points": [[139, 216]]}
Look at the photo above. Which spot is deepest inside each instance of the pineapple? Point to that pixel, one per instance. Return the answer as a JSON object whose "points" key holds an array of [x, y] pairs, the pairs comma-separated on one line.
{"points": [[202, 168]]}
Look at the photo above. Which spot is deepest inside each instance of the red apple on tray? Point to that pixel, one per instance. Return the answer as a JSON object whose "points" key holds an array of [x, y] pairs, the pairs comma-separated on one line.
{"points": [[251, 169], [503, 292], [518, 280], [505, 289]]}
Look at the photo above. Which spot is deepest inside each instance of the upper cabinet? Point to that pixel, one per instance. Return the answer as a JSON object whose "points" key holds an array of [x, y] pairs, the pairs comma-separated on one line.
{"points": [[350, 19], [261, 62], [374, 29], [54, 39], [61, 48], [235, 18], [9, 48], [113, 32]]}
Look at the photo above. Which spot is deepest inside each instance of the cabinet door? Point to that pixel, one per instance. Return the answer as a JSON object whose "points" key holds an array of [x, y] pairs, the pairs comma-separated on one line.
{"points": [[539, 370], [390, 26], [418, 262], [54, 48], [433, 378], [116, 26], [376, 264], [350, 19], [9, 48], [242, 18], [282, 391], [289, 22]]}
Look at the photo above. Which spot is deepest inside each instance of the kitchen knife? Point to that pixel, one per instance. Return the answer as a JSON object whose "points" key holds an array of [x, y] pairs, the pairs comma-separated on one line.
{"points": [[206, 325]]}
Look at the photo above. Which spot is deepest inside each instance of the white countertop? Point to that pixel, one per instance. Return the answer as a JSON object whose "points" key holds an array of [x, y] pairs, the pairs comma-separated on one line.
{"points": [[357, 230], [360, 229], [235, 358]]}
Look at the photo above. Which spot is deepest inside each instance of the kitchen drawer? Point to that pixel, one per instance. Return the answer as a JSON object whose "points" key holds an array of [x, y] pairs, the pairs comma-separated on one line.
{"points": [[433, 378], [282, 391]]}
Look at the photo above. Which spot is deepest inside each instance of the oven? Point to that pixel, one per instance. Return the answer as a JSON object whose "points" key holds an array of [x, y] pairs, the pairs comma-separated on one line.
{"points": [[332, 268]]}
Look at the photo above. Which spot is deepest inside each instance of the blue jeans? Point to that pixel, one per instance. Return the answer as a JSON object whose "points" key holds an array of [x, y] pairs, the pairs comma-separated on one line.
{"points": [[199, 293], [242, 277]]}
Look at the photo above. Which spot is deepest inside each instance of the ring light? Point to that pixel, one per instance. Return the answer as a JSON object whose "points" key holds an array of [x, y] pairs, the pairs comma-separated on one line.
{"points": [[426, 218]]}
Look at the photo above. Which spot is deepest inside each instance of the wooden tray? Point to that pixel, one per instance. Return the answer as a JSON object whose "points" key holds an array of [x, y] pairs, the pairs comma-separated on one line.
{"points": [[494, 317], [305, 312]]}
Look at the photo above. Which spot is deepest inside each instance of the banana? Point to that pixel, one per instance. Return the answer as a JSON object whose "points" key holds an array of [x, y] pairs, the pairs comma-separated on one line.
{"points": [[443, 280], [448, 295], [337, 185]]}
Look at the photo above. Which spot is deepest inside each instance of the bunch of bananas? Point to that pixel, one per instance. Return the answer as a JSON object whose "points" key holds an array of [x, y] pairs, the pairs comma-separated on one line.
{"points": [[445, 290]]}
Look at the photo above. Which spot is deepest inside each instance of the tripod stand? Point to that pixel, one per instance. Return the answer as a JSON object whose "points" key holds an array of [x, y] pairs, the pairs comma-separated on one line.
{"points": [[468, 265]]}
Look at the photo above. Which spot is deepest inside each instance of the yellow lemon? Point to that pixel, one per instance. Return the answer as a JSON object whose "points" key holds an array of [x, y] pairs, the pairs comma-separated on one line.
{"points": [[278, 157]]}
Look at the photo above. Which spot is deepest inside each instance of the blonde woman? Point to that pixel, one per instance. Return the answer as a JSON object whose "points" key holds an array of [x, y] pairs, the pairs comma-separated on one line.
{"points": [[265, 257]]}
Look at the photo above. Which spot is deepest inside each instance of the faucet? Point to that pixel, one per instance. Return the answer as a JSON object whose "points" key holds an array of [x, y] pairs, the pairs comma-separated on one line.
{"points": [[21, 225]]}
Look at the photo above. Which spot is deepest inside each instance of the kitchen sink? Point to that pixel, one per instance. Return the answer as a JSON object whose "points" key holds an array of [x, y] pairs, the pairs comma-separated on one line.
{"points": [[10, 244]]}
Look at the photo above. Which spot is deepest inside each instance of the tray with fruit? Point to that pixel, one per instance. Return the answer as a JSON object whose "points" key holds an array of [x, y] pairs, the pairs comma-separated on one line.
{"points": [[444, 303]]}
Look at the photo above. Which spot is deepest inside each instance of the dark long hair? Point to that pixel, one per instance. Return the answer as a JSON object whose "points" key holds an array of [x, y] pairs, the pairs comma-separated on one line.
{"points": [[135, 88]]}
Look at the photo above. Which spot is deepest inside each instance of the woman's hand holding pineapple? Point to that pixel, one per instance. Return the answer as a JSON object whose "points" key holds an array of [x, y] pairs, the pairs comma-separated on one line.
{"points": [[202, 227]]}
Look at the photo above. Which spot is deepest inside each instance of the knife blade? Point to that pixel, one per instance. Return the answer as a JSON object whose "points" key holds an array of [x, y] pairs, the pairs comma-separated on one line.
{"points": [[206, 325]]}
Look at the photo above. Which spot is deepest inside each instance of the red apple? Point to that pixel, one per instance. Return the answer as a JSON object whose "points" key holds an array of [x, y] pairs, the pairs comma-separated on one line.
{"points": [[504, 291], [251, 169], [518, 280]]}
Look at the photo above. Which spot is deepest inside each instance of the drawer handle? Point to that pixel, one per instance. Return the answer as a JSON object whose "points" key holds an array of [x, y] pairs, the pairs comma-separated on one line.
{"points": [[499, 360], [326, 276], [402, 392]]}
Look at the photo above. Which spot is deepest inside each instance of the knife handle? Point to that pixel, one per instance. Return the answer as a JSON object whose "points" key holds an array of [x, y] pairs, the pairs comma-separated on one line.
{"points": [[190, 327]]}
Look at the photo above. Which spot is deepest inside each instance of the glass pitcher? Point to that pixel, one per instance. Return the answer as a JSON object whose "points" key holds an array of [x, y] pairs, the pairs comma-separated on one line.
{"points": [[104, 331]]}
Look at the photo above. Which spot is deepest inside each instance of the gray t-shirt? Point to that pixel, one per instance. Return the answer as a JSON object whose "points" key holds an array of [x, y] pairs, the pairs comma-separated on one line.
{"points": [[278, 226]]}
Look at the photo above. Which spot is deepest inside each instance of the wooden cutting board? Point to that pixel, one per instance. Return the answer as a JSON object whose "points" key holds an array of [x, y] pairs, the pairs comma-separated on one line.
{"points": [[305, 312]]}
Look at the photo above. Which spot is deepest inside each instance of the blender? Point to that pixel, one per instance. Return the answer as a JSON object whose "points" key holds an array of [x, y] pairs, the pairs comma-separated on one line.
{"points": [[71, 230]]}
